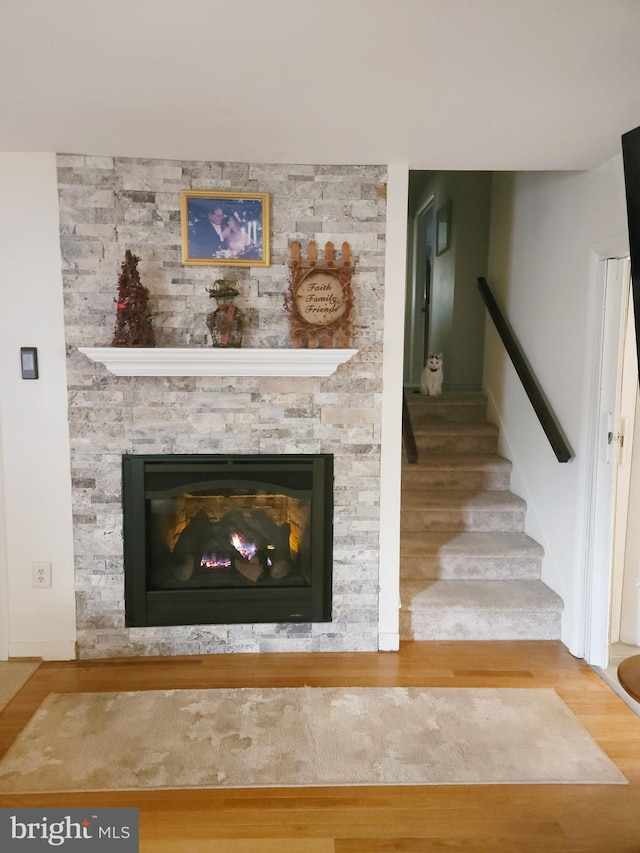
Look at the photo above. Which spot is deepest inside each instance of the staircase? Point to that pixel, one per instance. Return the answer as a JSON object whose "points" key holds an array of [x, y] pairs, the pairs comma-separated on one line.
{"points": [[467, 569]]}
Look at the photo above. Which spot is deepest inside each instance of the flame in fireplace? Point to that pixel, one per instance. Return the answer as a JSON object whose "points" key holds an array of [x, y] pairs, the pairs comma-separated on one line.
{"points": [[210, 561], [245, 548]]}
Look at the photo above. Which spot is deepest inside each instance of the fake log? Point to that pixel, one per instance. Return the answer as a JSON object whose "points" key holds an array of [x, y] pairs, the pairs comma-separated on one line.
{"points": [[204, 538]]}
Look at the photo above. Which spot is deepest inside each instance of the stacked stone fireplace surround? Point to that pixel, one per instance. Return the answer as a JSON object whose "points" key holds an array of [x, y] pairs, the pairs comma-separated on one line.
{"points": [[109, 205]]}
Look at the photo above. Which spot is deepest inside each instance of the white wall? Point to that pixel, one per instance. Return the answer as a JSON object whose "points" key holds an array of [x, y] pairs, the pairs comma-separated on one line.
{"points": [[35, 437], [471, 197], [545, 232], [4, 578], [630, 615]]}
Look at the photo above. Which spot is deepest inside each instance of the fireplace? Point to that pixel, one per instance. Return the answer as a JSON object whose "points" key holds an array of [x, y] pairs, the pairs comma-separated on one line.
{"points": [[218, 539]]}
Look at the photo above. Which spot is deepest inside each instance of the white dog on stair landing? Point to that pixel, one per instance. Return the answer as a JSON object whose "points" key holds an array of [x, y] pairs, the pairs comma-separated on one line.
{"points": [[431, 379]]}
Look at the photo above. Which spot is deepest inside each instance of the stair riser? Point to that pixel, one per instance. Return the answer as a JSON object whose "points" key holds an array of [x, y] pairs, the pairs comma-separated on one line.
{"points": [[473, 520], [441, 413], [491, 481], [479, 625], [470, 568], [444, 443]]}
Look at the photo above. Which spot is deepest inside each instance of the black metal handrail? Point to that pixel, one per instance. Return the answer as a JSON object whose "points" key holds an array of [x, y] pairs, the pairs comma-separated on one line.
{"points": [[539, 402], [408, 436]]}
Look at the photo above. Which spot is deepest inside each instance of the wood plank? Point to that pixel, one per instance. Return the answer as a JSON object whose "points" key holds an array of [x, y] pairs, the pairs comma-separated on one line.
{"points": [[402, 819], [243, 845]]}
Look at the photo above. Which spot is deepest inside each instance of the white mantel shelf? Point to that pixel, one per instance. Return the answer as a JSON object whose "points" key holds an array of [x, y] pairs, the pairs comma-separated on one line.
{"points": [[213, 361]]}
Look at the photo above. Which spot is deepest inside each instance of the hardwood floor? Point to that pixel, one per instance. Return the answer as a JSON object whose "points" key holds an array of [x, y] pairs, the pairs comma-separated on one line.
{"points": [[506, 818]]}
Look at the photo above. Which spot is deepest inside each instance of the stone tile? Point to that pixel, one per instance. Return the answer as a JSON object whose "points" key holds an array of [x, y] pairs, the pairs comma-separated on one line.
{"points": [[110, 415]]}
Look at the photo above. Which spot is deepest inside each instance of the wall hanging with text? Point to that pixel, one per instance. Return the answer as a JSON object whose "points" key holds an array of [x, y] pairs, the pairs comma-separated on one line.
{"points": [[320, 298]]}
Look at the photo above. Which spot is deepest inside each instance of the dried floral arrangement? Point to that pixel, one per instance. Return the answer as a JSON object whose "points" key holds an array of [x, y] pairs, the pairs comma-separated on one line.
{"points": [[133, 320]]}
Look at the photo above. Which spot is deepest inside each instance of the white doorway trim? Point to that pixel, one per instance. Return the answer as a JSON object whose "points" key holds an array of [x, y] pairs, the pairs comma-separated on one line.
{"points": [[414, 328], [395, 274], [4, 571], [421, 320], [624, 450], [611, 280]]}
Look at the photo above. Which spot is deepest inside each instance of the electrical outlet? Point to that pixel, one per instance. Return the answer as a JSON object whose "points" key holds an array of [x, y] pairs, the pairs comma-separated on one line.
{"points": [[41, 575]]}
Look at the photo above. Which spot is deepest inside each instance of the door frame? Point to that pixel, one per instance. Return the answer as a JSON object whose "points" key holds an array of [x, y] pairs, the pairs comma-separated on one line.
{"points": [[622, 494], [414, 331], [391, 441], [420, 258], [611, 260], [4, 568]]}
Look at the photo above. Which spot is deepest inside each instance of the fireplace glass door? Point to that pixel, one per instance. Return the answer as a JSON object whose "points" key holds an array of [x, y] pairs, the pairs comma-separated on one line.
{"points": [[227, 539]]}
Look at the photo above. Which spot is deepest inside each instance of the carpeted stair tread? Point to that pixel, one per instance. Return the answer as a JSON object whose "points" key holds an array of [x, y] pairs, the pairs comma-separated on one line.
{"points": [[479, 610], [457, 461], [455, 428], [480, 544], [416, 500], [462, 398], [458, 471], [460, 509], [464, 407], [472, 595], [453, 402], [434, 437], [469, 555]]}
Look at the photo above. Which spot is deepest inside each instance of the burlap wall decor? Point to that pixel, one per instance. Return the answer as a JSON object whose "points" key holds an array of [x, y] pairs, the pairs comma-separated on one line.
{"points": [[320, 298]]}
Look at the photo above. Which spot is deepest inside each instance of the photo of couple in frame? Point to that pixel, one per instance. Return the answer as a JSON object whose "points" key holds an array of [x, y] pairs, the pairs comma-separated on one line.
{"points": [[222, 228]]}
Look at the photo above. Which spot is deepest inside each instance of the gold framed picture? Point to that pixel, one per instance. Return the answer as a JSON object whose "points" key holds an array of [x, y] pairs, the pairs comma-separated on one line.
{"points": [[221, 228]]}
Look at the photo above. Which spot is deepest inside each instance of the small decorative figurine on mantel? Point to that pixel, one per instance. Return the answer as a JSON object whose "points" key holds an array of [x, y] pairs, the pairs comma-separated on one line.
{"points": [[226, 323], [320, 298], [133, 321]]}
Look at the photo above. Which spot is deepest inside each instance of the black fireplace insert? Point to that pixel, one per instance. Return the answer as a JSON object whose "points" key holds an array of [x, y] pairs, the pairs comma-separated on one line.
{"points": [[222, 539]]}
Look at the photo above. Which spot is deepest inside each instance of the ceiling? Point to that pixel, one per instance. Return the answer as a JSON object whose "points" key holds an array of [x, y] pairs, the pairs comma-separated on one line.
{"points": [[434, 84]]}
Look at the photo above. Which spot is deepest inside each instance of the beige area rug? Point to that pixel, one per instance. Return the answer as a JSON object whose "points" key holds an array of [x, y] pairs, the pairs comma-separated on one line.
{"points": [[13, 676], [302, 736]]}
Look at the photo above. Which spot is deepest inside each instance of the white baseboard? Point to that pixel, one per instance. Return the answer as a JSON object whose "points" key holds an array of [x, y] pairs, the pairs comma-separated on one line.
{"points": [[388, 642], [60, 650]]}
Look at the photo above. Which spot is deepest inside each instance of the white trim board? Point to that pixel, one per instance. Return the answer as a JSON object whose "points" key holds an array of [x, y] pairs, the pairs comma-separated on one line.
{"points": [[57, 650], [231, 361], [391, 447], [590, 635]]}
